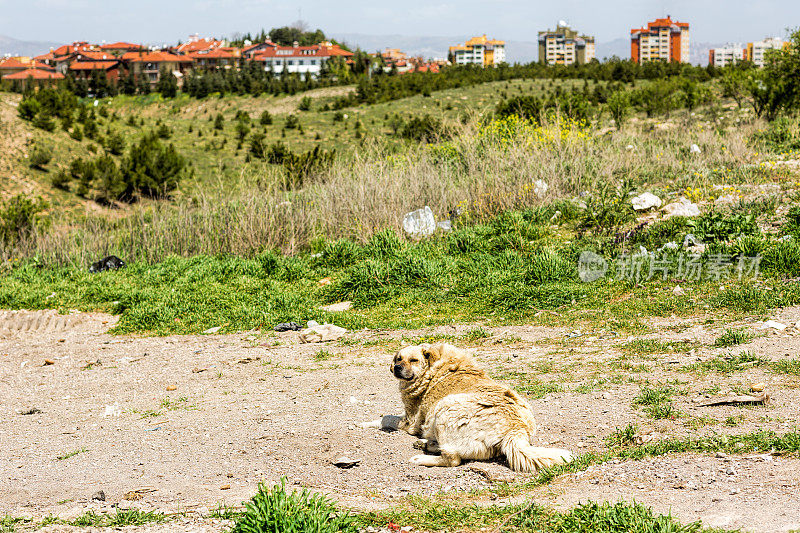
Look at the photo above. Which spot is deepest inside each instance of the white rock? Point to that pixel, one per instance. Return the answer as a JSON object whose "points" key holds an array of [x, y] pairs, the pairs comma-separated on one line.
{"points": [[420, 223], [773, 324], [682, 208], [728, 199], [645, 201], [694, 149], [445, 225], [629, 147], [337, 307], [678, 291], [540, 188], [113, 410], [312, 323], [210, 331]]}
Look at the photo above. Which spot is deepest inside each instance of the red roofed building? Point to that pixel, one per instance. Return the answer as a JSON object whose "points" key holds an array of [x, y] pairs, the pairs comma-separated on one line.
{"points": [[35, 75], [299, 59], [249, 51], [196, 44], [12, 65], [662, 40], [121, 48], [150, 64], [223, 57], [84, 69]]}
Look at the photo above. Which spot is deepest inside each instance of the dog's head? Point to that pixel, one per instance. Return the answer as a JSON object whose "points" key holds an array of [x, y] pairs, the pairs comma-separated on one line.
{"points": [[413, 362]]}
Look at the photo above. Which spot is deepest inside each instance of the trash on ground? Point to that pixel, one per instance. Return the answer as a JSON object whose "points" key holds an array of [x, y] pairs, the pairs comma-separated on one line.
{"points": [[420, 223], [111, 262], [695, 149], [540, 188], [762, 398], [287, 326], [113, 410], [773, 324], [29, 411], [322, 333]]}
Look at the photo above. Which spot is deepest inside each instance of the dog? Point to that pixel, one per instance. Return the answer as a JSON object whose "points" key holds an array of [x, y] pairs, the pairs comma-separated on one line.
{"points": [[461, 413]]}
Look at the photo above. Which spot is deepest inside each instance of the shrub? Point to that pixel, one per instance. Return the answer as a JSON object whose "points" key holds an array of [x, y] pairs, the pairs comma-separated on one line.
{"points": [[716, 227], [60, 180], [151, 169], [733, 337], [219, 122], [266, 118], [18, 217], [273, 510], [425, 128], [45, 122], [40, 157], [258, 148], [523, 106], [292, 122], [305, 104], [619, 105]]}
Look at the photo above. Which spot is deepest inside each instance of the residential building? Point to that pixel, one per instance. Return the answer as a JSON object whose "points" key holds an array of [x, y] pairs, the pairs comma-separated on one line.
{"points": [[479, 51], [196, 44], [222, 57], [250, 50], [306, 60], [662, 40], [564, 46], [757, 51], [727, 55], [121, 48], [150, 64], [34, 75], [12, 65]]}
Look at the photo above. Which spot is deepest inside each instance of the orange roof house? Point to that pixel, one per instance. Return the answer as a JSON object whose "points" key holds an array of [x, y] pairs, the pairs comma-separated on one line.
{"points": [[38, 76], [479, 51], [150, 64], [13, 65], [300, 59], [224, 57], [662, 40]]}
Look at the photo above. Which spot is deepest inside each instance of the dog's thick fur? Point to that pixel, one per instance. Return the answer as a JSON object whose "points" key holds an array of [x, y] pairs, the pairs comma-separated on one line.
{"points": [[462, 413]]}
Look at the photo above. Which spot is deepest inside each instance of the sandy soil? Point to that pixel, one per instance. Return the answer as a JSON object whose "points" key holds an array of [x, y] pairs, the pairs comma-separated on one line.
{"points": [[192, 422]]}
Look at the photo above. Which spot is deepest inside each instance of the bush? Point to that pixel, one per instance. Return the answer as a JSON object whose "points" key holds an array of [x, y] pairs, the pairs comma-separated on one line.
{"points": [[292, 122], [219, 122], [305, 104], [151, 168], [258, 147], [266, 118], [40, 157], [18, 217], [425, 128], [273, 510]]}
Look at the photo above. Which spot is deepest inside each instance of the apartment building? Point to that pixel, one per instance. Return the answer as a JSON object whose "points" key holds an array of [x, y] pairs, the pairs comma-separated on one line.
{"points": [[727, 55], [757, 51], [662, 40], [479, 51], [563, 46]]}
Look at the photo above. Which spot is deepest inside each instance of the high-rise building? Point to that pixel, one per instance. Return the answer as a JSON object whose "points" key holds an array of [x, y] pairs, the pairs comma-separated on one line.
{"points": [[662, 40], [756, 52], [727, 55], [479, 51], [564, 46]]}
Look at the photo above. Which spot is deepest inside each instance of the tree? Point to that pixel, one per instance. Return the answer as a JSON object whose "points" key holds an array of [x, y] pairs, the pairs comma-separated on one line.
{"points": [[619, 105], [151, 169], [734, 83], [128, 84], [167, 83]]}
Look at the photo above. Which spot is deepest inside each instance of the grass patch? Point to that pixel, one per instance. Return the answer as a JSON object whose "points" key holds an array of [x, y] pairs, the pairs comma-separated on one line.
{"points": [[323, 355], [654, 346], [273, 509], [657, 402], [787, 366], [729, 363], [70, 454], [122, 518], [733, 337]]}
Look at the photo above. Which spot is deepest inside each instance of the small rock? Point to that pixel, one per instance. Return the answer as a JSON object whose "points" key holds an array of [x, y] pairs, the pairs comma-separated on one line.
{"points": [[493, 472], [322, 333], [112, 410], [337, 307], [325, 281], [345, 462], [29, 411], [197, 370], [695, 149], [213, 330], [682, 208], [99, 496], [678, 291], [757, 387], [287, 326], [48, 362], [312, 323], [171, 387], [225, 487], [645, 201], [540, 188]]}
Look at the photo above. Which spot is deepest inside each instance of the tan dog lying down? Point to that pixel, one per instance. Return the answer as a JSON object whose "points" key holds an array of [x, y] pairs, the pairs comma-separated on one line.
{"points": [[462, 413]]}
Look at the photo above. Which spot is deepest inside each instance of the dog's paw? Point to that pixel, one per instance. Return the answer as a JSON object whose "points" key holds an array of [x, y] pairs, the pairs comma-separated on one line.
{"points": [[420, 444], [556, 457], [421, 460], [372, 424]]}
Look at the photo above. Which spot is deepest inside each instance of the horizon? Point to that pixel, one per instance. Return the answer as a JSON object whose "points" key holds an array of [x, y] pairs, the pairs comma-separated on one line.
{"points": [[84, 20]]}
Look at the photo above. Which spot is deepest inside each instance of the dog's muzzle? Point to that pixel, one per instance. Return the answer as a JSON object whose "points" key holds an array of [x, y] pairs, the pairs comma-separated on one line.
{"points": [[400, 372]]}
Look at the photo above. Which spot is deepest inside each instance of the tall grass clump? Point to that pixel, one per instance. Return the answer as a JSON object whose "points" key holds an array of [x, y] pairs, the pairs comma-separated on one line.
{"points": [[273, 510]]}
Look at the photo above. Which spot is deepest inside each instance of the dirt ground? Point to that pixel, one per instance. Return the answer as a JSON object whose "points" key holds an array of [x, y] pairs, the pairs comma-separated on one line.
{"points": [[186, 423]]}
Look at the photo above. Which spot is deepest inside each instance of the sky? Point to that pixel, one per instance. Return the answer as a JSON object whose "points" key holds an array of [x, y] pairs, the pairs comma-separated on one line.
{"points": [[158, 22]]}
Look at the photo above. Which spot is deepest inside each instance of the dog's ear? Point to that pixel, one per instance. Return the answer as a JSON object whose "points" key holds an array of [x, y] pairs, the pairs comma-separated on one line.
{"points": [[432, 353]]}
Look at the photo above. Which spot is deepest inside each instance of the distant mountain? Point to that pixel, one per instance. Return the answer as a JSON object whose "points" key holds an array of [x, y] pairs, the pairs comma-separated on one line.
{"points": [[15, 47], [618, 47], [433, 46]]}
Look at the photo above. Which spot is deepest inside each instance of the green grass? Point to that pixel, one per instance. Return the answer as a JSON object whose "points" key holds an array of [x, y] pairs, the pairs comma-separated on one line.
{"points": [[657, 402], [787, 366], [733, 337], [70, 454], [729, 363]]}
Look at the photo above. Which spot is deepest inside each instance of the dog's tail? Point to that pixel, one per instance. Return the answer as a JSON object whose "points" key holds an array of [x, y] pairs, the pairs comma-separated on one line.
{"points": [[522, 457]]}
